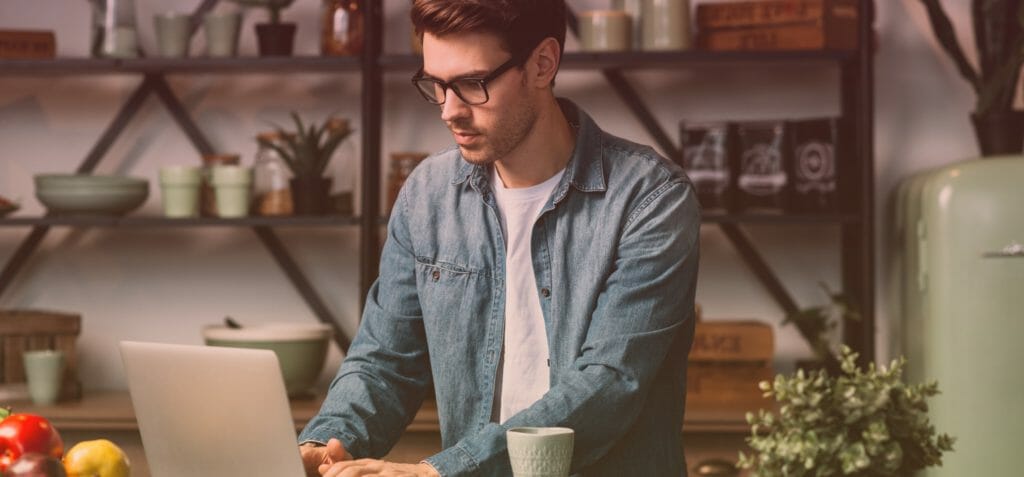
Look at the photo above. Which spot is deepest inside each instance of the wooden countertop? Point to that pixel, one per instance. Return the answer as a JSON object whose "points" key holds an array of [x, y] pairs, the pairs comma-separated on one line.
{"points": [[112, 410]]}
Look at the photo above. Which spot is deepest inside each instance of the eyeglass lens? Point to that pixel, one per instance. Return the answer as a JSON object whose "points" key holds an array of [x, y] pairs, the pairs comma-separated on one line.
{"points": [[470, 91]]}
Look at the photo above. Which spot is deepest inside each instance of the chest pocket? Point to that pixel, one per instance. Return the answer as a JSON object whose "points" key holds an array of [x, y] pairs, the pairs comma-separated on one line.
{"points": [[448, 290]]}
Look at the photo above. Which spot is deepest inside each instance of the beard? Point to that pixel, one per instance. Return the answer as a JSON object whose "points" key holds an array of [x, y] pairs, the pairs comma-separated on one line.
{"points": [[503, 137]]}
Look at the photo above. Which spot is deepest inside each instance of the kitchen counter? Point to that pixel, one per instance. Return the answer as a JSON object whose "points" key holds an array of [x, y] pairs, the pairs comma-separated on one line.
{"points": [[112, 410], [709, 433]]}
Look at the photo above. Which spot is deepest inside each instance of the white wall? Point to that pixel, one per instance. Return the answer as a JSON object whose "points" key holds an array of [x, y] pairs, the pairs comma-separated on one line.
{"points": [[164, 284]]}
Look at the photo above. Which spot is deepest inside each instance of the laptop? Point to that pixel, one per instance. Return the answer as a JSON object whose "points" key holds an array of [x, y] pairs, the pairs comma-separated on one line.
{"points": [[211, 411]]}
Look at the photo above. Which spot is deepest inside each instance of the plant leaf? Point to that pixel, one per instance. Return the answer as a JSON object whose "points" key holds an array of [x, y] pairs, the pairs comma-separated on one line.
{"points": [[946, 35]]}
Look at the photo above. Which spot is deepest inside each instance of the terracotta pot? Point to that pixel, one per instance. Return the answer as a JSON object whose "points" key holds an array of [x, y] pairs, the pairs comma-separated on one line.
{"points": [[275, 39], [999, 133], [310, 195]]}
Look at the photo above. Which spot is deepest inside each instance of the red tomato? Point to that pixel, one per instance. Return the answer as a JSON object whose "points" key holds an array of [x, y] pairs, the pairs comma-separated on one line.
{"points": [[25, 433]]}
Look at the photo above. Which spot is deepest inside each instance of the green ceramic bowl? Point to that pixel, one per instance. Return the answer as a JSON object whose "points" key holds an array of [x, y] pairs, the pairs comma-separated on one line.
{"points": [[87, 194], [301, 348], [86, 181]]}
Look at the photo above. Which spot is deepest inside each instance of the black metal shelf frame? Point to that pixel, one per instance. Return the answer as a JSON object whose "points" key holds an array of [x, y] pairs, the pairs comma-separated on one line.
{"points": [[154, 82], [855, 221], [857, 203]]}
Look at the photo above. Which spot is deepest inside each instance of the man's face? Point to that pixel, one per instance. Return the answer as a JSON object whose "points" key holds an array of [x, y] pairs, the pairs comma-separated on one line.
{"points": [[487, 132]]}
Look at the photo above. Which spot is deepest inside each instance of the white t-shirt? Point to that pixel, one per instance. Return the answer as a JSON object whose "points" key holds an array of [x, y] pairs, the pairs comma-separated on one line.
{"points": [[523, 375]]}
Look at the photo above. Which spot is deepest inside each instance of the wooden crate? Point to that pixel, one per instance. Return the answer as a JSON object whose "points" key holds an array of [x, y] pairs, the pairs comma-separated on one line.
{"points": [[27, 44], [26, 330], [778, 25], [769, 13], [727, 361], [727, 386], [733, 341]]}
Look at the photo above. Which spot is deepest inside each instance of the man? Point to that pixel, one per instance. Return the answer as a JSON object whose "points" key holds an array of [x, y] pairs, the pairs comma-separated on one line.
{"points": [[541, 273]]}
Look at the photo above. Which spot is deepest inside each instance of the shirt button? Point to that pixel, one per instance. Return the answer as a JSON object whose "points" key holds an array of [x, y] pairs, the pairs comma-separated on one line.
{"points": [[436, 275], [545, 292]]}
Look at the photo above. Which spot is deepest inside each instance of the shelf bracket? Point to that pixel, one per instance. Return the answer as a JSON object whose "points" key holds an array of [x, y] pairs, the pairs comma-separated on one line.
{"points": [[30, 244], [760, 267], [180, 114], [636, 104], [273, 244], [155, 83], [629, 95], [740, 241], [21, 255]]}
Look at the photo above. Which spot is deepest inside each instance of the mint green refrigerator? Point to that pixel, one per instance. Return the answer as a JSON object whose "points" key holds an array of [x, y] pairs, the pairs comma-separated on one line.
{"points": [[960, 233]]}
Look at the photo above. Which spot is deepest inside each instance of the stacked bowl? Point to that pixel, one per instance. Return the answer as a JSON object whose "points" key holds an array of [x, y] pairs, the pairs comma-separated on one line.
{"points": [[90, 194], [301, 348]]}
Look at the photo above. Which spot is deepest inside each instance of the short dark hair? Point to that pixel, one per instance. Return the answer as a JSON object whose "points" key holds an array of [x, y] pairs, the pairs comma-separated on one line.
{"points": [[520, 24]]}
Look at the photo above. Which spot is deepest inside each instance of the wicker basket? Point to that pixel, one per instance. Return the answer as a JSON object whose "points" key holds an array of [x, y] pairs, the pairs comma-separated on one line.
{"points": [[25, 330]]}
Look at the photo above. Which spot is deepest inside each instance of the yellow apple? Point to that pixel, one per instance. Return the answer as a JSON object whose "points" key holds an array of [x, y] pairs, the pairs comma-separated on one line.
{"points": [[98, 458]]}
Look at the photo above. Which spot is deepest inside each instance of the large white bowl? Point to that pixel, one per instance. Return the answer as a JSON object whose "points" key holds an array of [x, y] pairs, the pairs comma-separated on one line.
{"points": [[301, 348]]}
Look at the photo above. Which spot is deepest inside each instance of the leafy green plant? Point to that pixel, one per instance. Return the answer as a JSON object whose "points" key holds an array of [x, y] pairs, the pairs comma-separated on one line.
{"points": [[308, 150], [1000, 42], [859, 423], [818, 324]]}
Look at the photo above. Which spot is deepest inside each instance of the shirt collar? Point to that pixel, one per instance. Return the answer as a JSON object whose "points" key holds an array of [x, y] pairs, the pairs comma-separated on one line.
{"points": [[585, 170]]}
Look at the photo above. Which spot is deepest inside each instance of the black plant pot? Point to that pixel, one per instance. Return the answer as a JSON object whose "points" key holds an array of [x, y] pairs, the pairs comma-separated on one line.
{"points": [[999, 133], [275, 39], [311, 195]]}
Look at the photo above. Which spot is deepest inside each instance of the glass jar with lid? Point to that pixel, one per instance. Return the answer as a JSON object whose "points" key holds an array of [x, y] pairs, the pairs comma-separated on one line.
{"points": [[207, 197], [114, 32], [402, 164], [341, 29], [272, 194]]}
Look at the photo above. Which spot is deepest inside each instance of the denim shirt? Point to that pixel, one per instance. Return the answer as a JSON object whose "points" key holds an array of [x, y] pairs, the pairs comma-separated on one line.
{"points": [[615, 254]]}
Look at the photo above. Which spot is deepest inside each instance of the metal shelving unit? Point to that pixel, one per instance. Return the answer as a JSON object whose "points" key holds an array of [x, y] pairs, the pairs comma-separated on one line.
{"points": [[856, 217], [154, 83]]}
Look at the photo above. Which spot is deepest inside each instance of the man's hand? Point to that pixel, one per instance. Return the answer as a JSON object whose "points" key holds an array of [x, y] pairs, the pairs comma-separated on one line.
{"points": [[314, 456], [376, 468]]}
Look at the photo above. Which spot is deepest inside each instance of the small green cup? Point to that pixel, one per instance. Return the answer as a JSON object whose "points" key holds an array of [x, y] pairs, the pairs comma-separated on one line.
{"points": [[180, 188], [44, 370], [232, 187]]}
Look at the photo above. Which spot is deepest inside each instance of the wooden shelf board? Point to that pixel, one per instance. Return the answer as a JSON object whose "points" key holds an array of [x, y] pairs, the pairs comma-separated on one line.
{"points": [[767, 218], [775, 219], [155, 221], [112, 410], [290, 64], [657, 60]]}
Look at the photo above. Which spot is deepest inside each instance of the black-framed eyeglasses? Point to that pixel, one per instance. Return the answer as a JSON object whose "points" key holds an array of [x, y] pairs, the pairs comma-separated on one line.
{"points": [[471, 90]]}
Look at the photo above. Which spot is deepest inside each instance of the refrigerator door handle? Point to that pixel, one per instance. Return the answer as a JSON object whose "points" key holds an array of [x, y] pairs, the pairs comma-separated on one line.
{"points": [[1014, 250]]}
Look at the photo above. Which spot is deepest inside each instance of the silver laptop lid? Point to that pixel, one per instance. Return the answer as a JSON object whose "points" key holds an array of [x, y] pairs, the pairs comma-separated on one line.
{"points": [[211, 411]]}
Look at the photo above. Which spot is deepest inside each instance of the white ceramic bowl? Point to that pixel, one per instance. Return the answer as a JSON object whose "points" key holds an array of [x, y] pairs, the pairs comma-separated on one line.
{"points": [[301, 348]]}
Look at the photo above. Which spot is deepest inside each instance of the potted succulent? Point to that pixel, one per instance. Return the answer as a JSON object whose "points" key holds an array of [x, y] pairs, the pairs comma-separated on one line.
{"points": [[860, 423], [999, 39], [307, 151], [276, 38]]}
